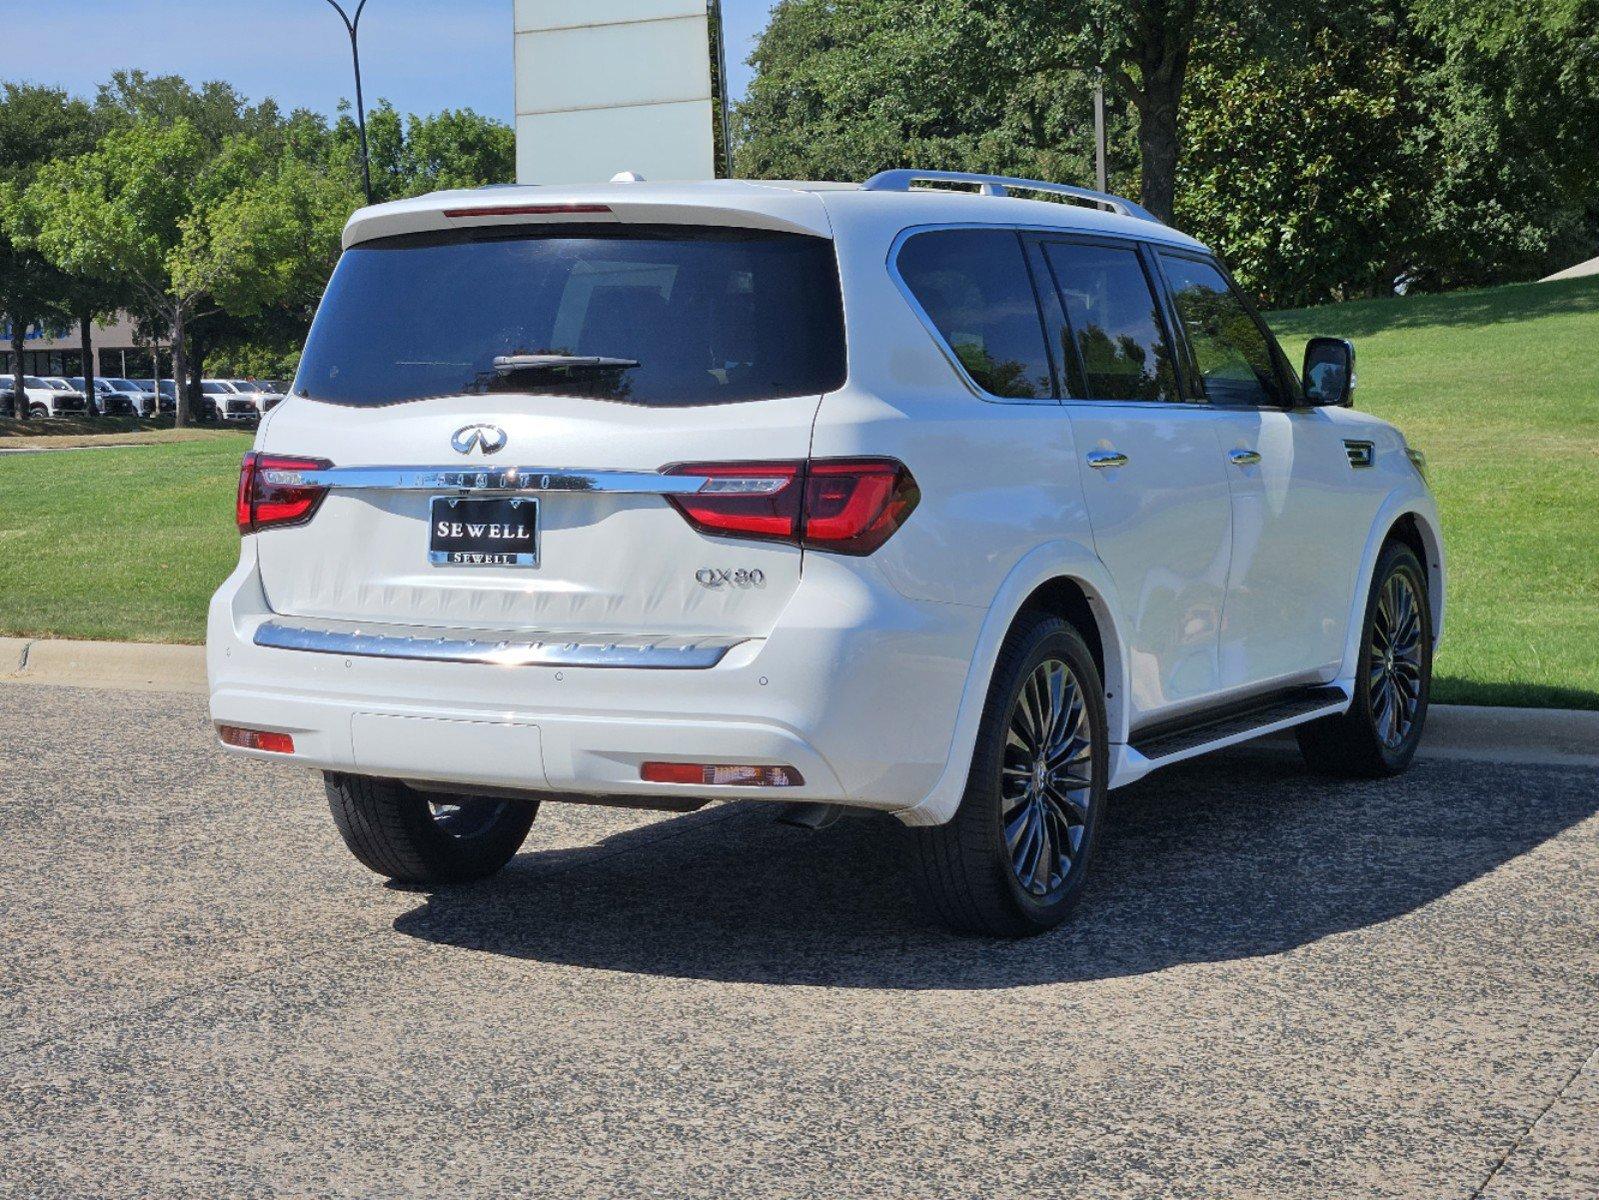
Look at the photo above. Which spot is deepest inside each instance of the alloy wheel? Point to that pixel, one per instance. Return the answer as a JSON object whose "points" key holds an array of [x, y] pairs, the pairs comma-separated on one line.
{"points": [[1394, 673], [1046, 779]]}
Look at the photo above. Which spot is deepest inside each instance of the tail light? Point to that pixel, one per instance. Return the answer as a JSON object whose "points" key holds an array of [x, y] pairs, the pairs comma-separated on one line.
{"points": [[256, 739], [271, 493], [721, 774], [844, 505]]}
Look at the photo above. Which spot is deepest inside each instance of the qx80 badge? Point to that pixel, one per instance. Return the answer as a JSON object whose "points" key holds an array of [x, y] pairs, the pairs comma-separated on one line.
{"points": [[719, 577]]}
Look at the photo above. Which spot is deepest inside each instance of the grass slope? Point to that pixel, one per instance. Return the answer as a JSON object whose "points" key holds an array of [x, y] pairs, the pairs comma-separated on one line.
{"points": [[1500, 388], [122, 544]]}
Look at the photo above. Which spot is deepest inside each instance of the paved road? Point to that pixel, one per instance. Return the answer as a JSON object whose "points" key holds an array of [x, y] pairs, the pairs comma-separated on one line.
{"points": [[1277, 988]]}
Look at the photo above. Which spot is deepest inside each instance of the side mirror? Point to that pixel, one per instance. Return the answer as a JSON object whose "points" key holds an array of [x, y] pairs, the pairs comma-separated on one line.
{"points": [[1329, 374]]}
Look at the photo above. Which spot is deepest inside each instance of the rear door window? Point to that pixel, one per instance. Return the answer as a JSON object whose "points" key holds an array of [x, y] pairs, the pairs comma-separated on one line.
{"points": [[1114, 327], [975, 287], [1233, 352], [709, 315]]}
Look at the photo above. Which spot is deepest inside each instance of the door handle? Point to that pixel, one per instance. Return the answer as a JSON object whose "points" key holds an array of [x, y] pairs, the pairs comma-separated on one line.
{"points": [[1243, 458], [1099, 459]]}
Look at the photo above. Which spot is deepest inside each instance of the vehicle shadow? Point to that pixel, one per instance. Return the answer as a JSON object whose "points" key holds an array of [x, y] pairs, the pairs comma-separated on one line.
{"points": [[1238, 856]]}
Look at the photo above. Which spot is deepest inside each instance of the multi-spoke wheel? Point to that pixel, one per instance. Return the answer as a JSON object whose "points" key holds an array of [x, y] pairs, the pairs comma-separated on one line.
{"points": [[1394, 668], [426, 837], [1379, 733], [1013, 859], [1046, 782]]}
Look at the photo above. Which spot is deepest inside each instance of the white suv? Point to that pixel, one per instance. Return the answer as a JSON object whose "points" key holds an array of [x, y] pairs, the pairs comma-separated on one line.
{"points": [[951, 504]]}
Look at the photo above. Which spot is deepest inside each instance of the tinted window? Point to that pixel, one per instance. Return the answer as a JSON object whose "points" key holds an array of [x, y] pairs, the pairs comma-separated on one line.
{"points": [[1232, 351], [975, 286], [711, 316], [1113, 322]]}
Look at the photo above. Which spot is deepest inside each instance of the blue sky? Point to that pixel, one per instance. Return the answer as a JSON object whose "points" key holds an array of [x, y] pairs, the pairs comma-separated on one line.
{"points": [[422, 54]]}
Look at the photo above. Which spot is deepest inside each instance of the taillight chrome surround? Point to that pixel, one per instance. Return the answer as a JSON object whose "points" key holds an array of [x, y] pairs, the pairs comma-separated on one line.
{"points": [[841, 505], [273, 493]]}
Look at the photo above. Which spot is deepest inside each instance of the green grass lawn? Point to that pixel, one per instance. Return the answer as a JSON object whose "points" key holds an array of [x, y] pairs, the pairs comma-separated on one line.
{"points": [[1500, 387], [122, 544]]}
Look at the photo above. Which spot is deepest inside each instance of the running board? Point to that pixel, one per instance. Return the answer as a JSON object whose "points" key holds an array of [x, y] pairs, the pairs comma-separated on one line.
{"points": [[1201, 733]]}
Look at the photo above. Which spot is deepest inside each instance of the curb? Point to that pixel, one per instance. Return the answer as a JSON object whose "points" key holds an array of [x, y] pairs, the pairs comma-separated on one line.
{"points": [[1549, 737], [130, 666], [1532, 736]]}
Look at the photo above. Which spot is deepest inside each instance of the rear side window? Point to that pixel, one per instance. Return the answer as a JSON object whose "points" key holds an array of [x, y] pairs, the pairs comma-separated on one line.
{"points": [[1113, 321], [1232, 351], [975, 287], [710, 316]]}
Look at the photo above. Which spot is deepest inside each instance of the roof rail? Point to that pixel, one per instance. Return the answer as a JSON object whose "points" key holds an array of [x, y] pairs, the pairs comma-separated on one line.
{"points": [[1002, 185]]}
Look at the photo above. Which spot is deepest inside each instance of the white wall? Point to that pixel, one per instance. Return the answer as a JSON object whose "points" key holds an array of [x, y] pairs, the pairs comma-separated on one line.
{"points": [[613, 85]]}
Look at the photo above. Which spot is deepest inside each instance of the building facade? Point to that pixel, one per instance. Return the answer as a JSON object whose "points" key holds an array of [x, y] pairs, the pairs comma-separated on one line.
{"points": [[58, 350]]}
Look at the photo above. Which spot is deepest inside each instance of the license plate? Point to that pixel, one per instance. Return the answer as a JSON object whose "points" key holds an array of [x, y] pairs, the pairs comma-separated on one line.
{"points": [[484, 533]]}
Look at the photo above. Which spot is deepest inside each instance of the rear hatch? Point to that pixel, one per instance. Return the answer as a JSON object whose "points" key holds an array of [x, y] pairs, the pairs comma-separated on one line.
{"points": [[577, 363]]}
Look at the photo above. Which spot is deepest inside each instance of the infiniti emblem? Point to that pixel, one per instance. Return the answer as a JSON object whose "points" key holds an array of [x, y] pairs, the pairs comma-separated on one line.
{"points": [[489, 439]]}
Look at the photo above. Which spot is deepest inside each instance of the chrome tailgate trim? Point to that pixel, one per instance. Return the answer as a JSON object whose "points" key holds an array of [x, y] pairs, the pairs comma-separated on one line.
{"points": [[521, 648]]}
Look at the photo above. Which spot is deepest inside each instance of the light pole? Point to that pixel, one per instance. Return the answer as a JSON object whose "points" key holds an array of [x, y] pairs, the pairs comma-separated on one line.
{"points": [[353, 25]]}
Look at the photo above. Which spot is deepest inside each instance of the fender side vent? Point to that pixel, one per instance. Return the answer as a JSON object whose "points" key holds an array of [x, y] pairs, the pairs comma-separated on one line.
{"points": [[1361, 454]]}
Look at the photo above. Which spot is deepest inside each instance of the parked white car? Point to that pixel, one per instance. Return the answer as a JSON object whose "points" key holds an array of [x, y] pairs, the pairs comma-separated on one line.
{"points": [[52, 396], [251, 401], [956, 505]]}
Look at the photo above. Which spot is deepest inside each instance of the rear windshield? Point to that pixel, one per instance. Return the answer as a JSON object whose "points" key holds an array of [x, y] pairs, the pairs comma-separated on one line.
{"points": [[710, 316]]}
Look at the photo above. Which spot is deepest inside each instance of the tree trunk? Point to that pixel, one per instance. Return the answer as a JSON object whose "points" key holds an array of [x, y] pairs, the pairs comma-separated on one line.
{"points": [[19, 402], [86, 340], [1157, 152], [1160, 52], [180, 371]]}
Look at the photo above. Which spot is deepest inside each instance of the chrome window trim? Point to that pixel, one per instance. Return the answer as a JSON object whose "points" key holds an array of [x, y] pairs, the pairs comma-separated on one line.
{"points": [[519, 648]]}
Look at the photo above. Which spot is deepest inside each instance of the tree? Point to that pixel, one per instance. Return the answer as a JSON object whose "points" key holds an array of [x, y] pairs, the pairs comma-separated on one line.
{"points": [[37, 124], [411, 155], [1304, 174], [121, 212], [845, 88]]}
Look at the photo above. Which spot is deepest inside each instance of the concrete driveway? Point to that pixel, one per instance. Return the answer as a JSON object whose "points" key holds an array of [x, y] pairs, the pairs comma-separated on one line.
{"points": [[1277, 987]]}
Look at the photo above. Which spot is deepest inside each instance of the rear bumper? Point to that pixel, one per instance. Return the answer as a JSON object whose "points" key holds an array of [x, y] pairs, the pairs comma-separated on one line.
{"points": [[855, 686]]}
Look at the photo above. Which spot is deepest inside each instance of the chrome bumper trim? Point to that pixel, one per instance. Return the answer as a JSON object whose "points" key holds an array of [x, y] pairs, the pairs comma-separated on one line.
{"points": [[506, 649]]}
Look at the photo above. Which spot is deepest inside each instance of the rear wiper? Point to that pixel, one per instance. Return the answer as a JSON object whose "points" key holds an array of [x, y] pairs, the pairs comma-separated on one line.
{"points": [[508, 364]]}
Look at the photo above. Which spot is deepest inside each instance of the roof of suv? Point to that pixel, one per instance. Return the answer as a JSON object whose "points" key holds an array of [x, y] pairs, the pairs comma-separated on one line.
{"points": [[784, 205]]}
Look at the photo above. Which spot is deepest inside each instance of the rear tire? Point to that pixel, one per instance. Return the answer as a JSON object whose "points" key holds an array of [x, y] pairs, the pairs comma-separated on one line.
{"points": [[411, 836], [1014, 859], [38, 411], [1379, 733]]}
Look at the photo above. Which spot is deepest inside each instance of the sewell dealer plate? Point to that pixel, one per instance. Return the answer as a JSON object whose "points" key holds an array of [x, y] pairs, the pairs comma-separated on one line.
{"points": [[502, 532]]}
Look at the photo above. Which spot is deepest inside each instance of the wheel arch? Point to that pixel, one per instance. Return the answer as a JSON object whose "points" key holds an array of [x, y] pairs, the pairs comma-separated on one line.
{"points": [[1410, 518], [1062, 579]]}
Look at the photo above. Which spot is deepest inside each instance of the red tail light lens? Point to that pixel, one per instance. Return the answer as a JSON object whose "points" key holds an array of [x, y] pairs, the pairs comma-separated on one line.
{"points": [[720, 774], [256, 739], [272, 495], [752, 500], [843, 505], [854, 505]]}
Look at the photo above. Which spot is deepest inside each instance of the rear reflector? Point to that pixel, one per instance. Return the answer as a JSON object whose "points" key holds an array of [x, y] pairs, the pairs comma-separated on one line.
{"points": [[844, 505], [527, 210], [256, 739], [720, 775], [271, 492]]}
